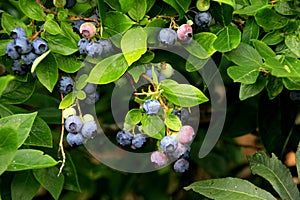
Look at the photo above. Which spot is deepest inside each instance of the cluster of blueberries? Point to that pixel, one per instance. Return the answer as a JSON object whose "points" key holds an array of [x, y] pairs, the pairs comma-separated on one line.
{"points": [[79, 128], [87, 46], [184, 34], [66, 85], [23, 52], [175, 146]]}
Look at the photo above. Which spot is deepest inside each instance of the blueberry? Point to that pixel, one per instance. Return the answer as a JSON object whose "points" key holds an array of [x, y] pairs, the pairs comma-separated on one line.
{"points": [[11, 51], [40, 46], [76, 25], [106, 45], [22, 45], [74, 139], [181, 165], [183, 114], [167, 36], [29, 58], [70, 3], [168, 144], [149, 72], [89, 129], [151, 106], [203, 19], [158, 159], [161, 77], [92, 98], [94, 49], [185, 33], [82, 45], [138, 140], [87, 29], [65, 85], [18, 33], [182, 150], [73, 124], [89, 88], [167, 70], [124, 138], [18, 68], [186, 134]]}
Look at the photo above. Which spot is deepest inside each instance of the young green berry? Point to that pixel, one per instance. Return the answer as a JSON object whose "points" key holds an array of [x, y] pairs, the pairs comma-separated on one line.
{"points": [[69, 112], [167, 70], [88, 117]]}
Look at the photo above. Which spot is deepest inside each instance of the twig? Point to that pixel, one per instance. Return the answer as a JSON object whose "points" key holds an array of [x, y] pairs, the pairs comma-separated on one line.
{"points": [[46, 10], [61, 145]]}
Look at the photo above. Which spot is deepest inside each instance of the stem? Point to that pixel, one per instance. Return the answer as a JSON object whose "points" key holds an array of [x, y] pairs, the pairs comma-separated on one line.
{"points": [[46, 10], [78, 107], [286, 142], [61, 145]]}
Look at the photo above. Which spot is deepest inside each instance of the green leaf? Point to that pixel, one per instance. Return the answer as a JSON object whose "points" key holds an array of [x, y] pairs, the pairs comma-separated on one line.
{"points": [[293, 44], [229, 2], [173, 122], [52, 27], [153, 126], [9, 22], [230, 188], [4, 111], [286, 8], [206, 40], [8, 146], [249, 10], [47, 72], [291, 83], [25, 159], [4, 81], [259, 2], [81, 82], [243, 74], [24, 186], [229, 38], [68, 64], [70, 174], [289, 68], [40, 134], [181, 6], [276, 173], [222, 13], [132, 118], [102, 8], [138, 9], [134, 44], [39, 59], [197, 50], [250, 90], [273, 38], [245, 55], [68, 31], [80, 94], [136, 71], [17, 92], [50, 181], [251, 30], [61, 44], [3, 44], [194, 64], [272, 22], [298, 160], [67, 101], [108, 70], [263, 49], [31, 9], [51, 115], [22, 123], [118, 21], [182, 94], [274, 86]]}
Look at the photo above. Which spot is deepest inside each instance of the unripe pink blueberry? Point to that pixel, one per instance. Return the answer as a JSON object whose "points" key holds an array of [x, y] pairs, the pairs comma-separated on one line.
{"points": [[186, 134], [159, 159], [185, 33], [87, 30]]}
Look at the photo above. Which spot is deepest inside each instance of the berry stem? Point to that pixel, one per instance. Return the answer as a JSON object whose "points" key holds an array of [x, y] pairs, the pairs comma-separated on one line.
{"points": [[46, 10], [35, 35], [61, 145], [78, 107]]}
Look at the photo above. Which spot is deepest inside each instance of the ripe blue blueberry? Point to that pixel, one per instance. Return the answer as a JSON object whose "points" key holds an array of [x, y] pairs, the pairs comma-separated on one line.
{"points": [[92, 98], [149, 72], [76, 25], [89, 88], [94, 49], [159, 159], [18, 33], [183, 114], [70, 3], [151, 106], [106, 45], [18, 68], [65, 85], [22, 45], [29, 58], [167, 36], [168, 144], [161, 77], [40, 46], [124, 138], [138, 140], [203, 19], [181, 165], [89, 129], [11, 51], [182, 150], [73, 124], [82, 45], [74, 139]]}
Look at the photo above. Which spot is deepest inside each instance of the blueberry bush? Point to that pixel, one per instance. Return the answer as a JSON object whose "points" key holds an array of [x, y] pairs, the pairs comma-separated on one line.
{"points": [[142, 75]]}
